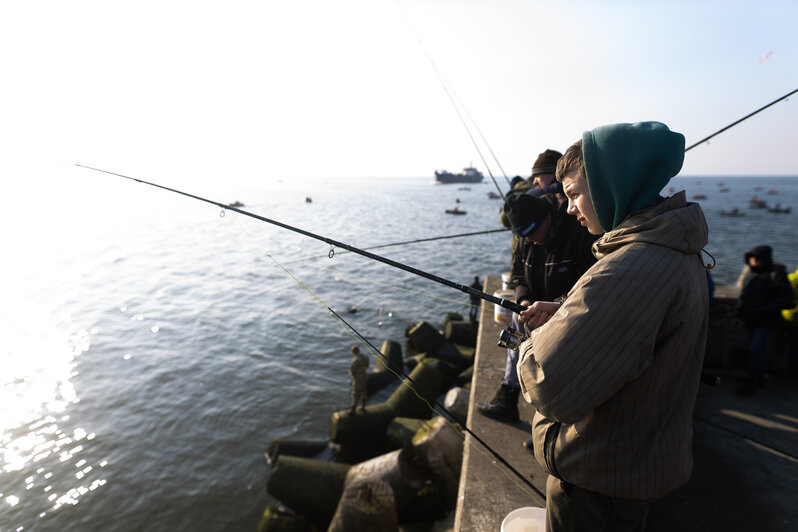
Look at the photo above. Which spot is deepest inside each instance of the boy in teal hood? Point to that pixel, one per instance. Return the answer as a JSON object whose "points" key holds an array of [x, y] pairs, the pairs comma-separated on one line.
{"points": [[613, 371], [620, 186]]}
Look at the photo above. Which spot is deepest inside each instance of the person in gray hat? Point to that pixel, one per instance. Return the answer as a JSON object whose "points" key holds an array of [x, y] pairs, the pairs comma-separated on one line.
{"points": [[552, 251], [541, 181]]}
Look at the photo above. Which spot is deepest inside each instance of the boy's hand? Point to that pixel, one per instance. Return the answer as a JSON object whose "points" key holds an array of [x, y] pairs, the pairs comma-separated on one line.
{"points": [[538, 313]]}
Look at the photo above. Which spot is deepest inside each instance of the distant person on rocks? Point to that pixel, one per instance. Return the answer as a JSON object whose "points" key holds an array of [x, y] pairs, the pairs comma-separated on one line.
{"points": [[552, 251], [474, 300], [357, 370], [613, 371], [764, 291]]}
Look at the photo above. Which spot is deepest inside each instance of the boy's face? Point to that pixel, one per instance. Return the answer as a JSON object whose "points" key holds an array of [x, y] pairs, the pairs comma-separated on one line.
{"points": [[579, 202]]}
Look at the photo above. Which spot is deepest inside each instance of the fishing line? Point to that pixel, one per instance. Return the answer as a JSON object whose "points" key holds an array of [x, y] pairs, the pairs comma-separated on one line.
{"points": [[746, 117], [509, 305], [457, 110], [430, 239], [410, 383], [425, 294]]}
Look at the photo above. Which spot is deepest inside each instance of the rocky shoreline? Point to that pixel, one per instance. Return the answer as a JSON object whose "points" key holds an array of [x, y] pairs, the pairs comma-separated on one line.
{"points": [[395, 465]]}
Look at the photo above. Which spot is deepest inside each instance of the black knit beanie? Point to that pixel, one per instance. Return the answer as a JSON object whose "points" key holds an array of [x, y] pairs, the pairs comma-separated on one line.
{"points": [[525, 212]]}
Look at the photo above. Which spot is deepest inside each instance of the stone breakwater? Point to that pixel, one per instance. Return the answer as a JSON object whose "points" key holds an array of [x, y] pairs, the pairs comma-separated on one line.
{"points": [[395, 465]]}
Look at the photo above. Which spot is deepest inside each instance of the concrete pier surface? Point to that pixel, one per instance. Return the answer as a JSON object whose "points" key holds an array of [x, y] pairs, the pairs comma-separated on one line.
{"points": [[745, 474]]}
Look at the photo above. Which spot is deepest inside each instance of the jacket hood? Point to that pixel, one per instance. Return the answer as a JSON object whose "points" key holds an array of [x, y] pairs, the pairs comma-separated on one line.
{"points": [[627, 165], [763, 253], [673, 223]]}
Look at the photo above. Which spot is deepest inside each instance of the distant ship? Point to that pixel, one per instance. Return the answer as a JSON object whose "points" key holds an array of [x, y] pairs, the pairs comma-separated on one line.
{"points": [[469, 175]]}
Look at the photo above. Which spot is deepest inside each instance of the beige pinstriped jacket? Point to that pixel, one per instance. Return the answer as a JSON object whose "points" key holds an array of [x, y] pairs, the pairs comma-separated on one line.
{"points": [[614, 374]]}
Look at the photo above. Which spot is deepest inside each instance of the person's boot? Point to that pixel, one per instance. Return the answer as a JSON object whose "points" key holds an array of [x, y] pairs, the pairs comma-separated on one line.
{"points": [[504, 405]]}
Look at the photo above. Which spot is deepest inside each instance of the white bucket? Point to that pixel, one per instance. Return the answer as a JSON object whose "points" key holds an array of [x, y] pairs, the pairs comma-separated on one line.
{"points": [[501, 314], [506, 281], [526, 519]]}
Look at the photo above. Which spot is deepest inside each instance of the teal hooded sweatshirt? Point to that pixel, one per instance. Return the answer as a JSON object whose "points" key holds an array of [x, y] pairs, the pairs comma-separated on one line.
{"points": [[627, 165]]}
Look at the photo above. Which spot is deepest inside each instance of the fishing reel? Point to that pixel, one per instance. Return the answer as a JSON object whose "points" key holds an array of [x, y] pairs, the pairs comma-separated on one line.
{"points": [[511, 339]]}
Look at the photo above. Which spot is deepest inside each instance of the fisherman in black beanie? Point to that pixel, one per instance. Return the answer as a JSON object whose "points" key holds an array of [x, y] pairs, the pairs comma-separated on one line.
{"points": [[552, 250]]}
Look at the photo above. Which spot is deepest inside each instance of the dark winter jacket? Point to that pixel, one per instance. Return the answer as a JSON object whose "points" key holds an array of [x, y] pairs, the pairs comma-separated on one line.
{"points": [[544, 273], [766, 291]]}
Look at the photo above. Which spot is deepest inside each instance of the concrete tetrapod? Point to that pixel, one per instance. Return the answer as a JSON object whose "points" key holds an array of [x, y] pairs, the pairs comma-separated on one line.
{"points": [[399, 470], [309, 487], [369, 426], [366, 506], [275, 520]]}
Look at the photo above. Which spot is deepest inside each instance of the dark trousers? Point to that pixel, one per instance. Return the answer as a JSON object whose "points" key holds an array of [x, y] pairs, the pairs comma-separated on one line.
{"points": [[573, 509], [758, 354]]}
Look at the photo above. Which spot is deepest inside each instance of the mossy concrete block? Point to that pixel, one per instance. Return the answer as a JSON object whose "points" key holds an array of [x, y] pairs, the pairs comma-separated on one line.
{"points": [[371, 425], [309, 487], [447, 371], [414, 397], [450, 353], [401, 431], [294, 447], [361, 426], [377, 380], [392, 355], [424, 337], [414, 361], [366, 505], [465, 376], [403, 474], [451, 316], [275, 520], [466, 351], [461, 332], [456, 403], [440, 449]]}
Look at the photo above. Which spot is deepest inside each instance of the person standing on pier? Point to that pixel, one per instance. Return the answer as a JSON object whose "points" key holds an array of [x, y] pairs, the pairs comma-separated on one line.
{"points": [[765, 291], [474, 300], [613, 371], [359, 384], [551, 252]]}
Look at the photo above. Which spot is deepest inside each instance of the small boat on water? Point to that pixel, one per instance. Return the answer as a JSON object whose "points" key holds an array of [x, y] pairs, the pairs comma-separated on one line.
{"points": [[773, 191], [308, 199], [456, 210], [757, 203], [493, 195], [725, 189], [734, 212], [236, 204], [757, 188], [669, 191], [778, 209], [469, 175], [699, 196]]}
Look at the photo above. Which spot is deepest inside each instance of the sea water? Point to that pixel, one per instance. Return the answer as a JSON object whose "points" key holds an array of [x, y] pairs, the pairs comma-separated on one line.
{"points": [[151, 348]]}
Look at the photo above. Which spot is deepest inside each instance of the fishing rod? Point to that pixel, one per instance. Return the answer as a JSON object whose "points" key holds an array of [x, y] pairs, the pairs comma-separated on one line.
{"points": [[416, 241], [746, 117], [445, 86], [509, 305]]}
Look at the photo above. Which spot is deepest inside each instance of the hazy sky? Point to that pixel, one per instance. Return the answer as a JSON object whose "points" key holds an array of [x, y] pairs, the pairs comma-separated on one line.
{"points": [[253, 91]]}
